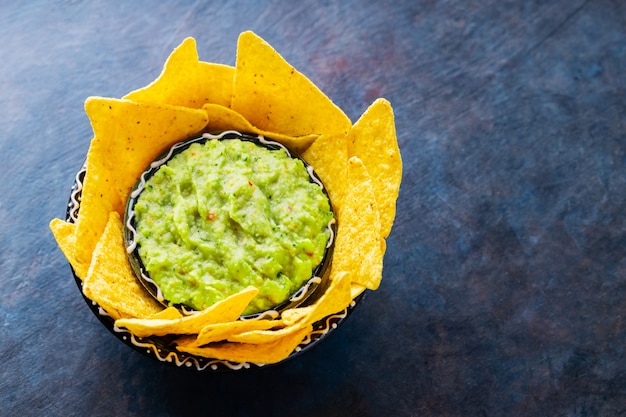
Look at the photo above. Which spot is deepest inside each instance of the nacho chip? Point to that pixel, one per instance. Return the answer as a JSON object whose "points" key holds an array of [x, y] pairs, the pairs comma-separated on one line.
{"points": [[137, 133], [128, 136], [264, 353], [169, 313], [373, 140], [358, 243], [356, 289], [64, 233], [99, 198], [262, 336], [336, 298], [328, 156], [222, 118], [186, 81], [222, 331], [110, 281], [275, 97], [226, 310]]}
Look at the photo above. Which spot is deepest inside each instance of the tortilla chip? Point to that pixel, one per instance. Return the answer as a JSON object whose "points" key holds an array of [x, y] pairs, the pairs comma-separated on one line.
{"points": [[128, 136], [275, 97], [222, 118], [169, 313], [358, 242], [111, 282], [373, 140], [222, 331], [264, 353], [137, 133], [336, 298], [328, 156], [226, 310], [267, 336], [186, 81], [356, 289], [64, 233], [98, 198]]}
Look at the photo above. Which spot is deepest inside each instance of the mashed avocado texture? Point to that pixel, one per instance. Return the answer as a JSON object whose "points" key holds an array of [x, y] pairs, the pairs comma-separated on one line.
{"points": [[226, 214]]}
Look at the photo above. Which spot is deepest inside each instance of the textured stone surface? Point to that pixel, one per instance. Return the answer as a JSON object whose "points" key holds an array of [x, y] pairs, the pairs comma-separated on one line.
{"points": [[504, 288]]}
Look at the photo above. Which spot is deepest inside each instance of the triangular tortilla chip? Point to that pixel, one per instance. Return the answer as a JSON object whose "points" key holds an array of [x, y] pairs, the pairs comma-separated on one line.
{"points": [[222, 331], [137, 133], [111, 282], [169, 313], [264, 353], [373, 140], [222, 118], [127, 137], [336, 298], [275, 97], [328, 156], [226, 310], [64, 233], [356, 289], [358, 246], [99, 197], [186, 81]]}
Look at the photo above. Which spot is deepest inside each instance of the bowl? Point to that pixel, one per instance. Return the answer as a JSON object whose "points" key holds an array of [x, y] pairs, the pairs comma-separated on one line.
{"points": [[162, 348]]}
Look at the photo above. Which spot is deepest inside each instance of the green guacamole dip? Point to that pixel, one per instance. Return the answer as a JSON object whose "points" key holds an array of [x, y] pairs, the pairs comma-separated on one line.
{"points": [[227, 214]]}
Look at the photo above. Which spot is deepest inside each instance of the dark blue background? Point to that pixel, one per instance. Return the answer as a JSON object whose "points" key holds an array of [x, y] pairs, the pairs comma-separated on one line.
{"points": [[504, 289]]}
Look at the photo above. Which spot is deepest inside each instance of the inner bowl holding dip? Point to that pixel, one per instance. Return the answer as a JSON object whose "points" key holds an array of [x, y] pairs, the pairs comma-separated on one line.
{"points": [[218, 213]]}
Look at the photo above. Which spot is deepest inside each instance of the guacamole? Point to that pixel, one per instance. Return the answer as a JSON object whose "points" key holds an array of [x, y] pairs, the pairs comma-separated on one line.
{"points": [[227, 214]]}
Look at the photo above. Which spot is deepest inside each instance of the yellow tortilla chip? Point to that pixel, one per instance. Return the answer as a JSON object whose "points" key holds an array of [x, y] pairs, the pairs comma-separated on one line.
{"points": [[275, 97], [373, 140], [128, 136], [356, 289], [296, 315], [358, 242], [137, 133], [222, 118], [336, 298], [169, 313], [222, 331], [256, 337], [226, 310], [64, 233], [99, 197], [186, 81], [265, 353], [110, 281], [328, 156]]}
